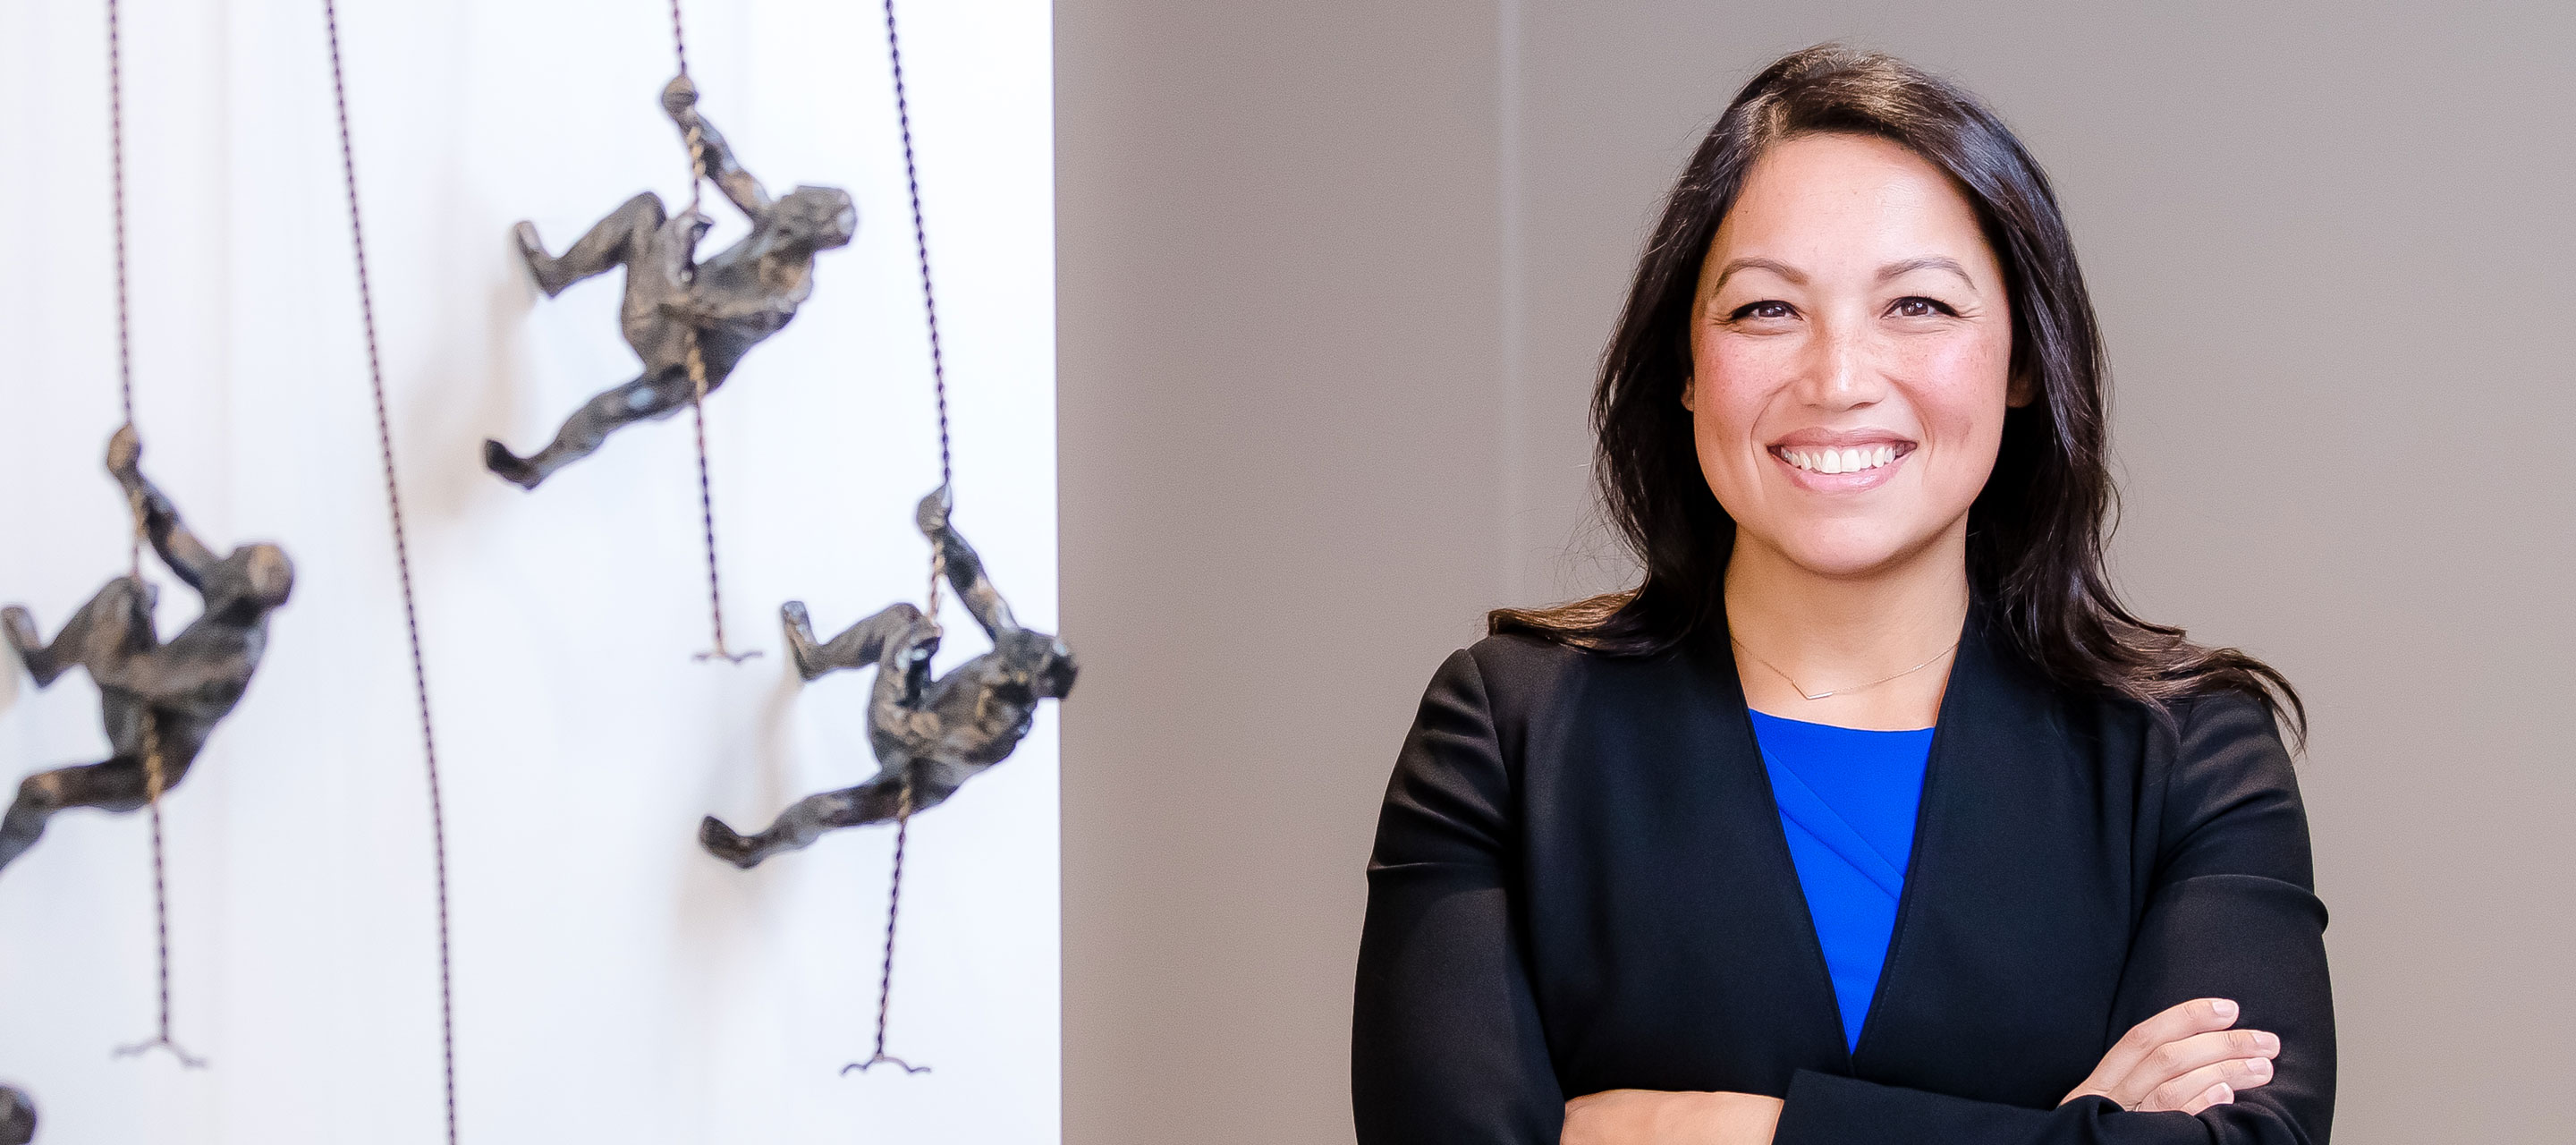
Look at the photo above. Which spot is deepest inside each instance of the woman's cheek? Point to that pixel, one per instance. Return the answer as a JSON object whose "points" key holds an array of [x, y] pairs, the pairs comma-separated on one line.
{"points": [[1736, 376], [1730, 453], [1959, 391], [1959, 361]]}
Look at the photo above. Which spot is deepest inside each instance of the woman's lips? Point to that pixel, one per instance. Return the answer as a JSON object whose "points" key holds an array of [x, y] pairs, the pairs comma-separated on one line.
{"points": [[1842, 469]]}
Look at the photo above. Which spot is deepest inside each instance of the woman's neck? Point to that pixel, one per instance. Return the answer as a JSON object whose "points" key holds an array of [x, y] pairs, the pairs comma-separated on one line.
{"points": [[1848, 634]]}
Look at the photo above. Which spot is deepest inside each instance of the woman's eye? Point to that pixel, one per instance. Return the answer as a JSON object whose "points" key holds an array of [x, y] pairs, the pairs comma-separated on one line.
{"points": [[1919, 307], [1768, 308]]}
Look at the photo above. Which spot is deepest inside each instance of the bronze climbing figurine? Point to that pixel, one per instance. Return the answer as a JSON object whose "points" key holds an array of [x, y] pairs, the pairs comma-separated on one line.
{"points": [[675, 307], [159, 701], [930, 735]]}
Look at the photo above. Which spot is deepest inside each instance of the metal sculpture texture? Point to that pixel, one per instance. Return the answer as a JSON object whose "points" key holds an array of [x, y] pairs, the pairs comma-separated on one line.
{"points": [[159, 701], [17, 1117], [930, 735], [720, 308]]}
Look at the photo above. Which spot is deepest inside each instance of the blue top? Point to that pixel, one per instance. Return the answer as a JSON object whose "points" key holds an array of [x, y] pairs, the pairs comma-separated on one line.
{"points": [[1847, 800]]}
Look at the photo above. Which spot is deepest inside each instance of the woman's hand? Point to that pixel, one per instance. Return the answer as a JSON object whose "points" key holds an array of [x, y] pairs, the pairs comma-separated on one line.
{"points": [[2184, 1059], [1655, 1117]]}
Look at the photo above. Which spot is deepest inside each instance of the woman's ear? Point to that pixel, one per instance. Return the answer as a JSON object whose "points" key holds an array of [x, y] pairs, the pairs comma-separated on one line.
{"points": [[1688, 384], [2022, 390]]}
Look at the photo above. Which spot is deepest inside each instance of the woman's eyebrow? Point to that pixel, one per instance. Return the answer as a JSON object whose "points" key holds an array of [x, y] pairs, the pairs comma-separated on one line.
{"points": [[1784, 270], [1896, 270]]}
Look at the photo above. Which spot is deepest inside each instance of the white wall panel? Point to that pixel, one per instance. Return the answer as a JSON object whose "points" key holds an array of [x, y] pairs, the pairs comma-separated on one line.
{"points": [[613, 983]]}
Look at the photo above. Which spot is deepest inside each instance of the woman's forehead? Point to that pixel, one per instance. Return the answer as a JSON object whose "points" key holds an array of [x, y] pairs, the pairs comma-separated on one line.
{"points": [[1839, 203]]}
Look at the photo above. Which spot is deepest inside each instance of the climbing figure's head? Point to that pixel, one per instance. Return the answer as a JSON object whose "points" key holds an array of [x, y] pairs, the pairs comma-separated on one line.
{"points": [[1042, 662], [814, 218], [267, 575]]}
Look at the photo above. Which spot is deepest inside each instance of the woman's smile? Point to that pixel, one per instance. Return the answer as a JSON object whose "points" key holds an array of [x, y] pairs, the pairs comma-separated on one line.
{"points": [[1849, 461]]}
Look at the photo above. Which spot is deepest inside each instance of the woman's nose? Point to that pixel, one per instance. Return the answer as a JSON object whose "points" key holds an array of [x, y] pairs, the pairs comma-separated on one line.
{"points": [[1839, 372]]}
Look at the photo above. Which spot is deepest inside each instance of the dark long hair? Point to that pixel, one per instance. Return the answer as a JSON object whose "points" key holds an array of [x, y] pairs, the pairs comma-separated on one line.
{"points": [[2035, 533]]}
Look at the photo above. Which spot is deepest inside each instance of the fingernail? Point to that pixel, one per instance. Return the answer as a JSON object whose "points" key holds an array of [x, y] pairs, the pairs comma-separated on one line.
{"points": [[2259, 1067], [2224, 1008], [2268, 1043]]}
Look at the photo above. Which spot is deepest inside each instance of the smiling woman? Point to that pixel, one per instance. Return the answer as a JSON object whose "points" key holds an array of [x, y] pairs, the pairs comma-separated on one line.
{"points": [[1718, 859]]}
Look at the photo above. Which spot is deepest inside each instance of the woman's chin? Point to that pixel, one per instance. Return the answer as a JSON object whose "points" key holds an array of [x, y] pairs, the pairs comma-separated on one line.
{"points": [[1850, 558]]}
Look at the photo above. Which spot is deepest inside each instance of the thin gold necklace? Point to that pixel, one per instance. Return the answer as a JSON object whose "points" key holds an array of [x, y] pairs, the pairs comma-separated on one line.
{"points": [[1775, 669]]}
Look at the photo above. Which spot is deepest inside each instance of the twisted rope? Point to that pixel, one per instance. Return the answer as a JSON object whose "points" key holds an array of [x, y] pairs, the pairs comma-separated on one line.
{"points": [[698, 373], [921, 248], [885, 977], [153, 779], [402, 567], [938, 552]]}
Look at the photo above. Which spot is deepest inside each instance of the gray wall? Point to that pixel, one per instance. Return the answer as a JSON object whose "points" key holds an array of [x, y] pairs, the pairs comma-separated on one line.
{"points": [[1333, 278]]}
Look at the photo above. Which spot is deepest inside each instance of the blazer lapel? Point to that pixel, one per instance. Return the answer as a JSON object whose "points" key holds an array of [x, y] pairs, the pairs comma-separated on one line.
{"points": [[1673, 868], [1966, 737], [1772, 896], [1998, 890]]}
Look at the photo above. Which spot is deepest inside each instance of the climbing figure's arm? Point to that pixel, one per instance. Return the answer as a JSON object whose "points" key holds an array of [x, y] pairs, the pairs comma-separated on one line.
{"points": [[680, 99], [169, 535], [704, 308], [965, 569]]}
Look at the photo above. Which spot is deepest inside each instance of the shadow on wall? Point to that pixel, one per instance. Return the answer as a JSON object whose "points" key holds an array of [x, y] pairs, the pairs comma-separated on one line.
{"points": [[447, 421]]}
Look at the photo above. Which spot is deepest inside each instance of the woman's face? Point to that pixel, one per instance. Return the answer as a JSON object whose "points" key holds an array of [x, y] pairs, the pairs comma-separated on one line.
{"points": [[1851, 356]]}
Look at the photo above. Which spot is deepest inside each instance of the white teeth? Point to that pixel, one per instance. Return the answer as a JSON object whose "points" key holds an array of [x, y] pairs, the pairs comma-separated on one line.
{"points": [[1839, 460]]}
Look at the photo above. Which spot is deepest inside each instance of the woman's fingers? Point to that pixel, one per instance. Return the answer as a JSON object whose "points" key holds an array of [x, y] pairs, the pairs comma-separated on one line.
{"points": [[2198, 1016], [2217, 1094], [2234, 1075], [2175, 1063], [2186, 1058]]}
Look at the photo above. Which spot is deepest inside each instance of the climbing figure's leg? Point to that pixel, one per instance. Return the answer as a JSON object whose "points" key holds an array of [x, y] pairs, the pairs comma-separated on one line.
{"points": [[878, 800], [875, 801], [799, 626], [114, 625], [614, 240], [859, 645], [643, 399], [18, 627], [116, 785]]}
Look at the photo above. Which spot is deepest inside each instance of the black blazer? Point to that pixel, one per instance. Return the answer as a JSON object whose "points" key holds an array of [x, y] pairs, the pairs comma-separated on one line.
{"points": [[1581, 884]]}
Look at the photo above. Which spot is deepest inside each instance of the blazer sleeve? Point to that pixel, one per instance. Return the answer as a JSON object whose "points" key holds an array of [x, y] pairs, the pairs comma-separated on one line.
{"points": [[2232, 913], [1446, 1047]]}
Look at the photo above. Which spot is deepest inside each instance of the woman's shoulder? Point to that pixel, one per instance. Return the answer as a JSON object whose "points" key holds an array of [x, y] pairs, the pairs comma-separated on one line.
{"points": [[1520, 670], [1485, 705], [2225, 746], [1519, 658], [2212, 766], [2223, 728]]}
